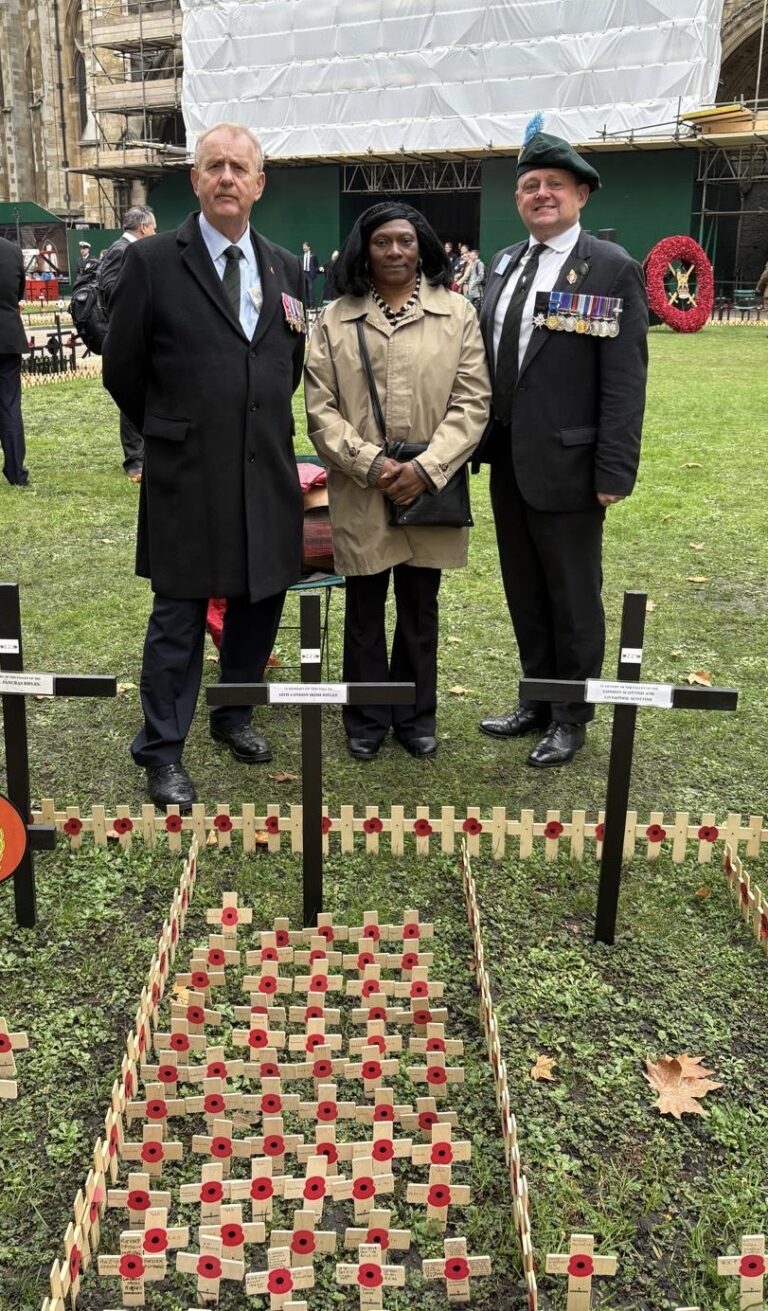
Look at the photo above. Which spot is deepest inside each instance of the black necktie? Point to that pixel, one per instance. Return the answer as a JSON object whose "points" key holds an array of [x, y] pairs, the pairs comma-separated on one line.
{"points": [[233, 255], [505, 379]]}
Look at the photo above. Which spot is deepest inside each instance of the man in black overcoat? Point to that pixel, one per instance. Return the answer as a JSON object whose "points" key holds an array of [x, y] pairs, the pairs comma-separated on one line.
{"points": [[203, 353], [569, 377], [138, 223], [13, 342]]}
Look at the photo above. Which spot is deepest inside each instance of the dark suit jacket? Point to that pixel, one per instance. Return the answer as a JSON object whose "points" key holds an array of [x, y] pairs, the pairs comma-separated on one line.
{"points": [[314, 264], [220, 510], [13, 338], [111, 264], [578, 407]]}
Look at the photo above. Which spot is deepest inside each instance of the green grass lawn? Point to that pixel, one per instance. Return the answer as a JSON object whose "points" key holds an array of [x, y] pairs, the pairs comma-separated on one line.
{"points": [[684, 975]]}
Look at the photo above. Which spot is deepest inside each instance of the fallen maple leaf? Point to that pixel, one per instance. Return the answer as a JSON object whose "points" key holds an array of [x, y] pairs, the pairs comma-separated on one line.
{"points": [[454, 640], [650, 606], [283, 777], [458, 690], [701, 676], [696, 546], [703, 892], [691, 464], [543, 1068], [679, 1081], [125, 687], [697, 579]]}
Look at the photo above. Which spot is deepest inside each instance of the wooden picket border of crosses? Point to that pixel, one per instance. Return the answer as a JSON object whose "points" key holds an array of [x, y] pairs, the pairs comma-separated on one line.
{"points": [[10, 1043], [749, 896], [279, 829]]}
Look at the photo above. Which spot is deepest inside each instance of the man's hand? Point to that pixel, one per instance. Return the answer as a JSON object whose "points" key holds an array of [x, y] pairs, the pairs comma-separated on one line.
{"points": [[405, 485], [606, 499]]}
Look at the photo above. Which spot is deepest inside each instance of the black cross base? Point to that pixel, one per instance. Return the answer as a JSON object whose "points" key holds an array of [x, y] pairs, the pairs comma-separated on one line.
{"points": [[626, 694], [15, 686], [311, 699]]}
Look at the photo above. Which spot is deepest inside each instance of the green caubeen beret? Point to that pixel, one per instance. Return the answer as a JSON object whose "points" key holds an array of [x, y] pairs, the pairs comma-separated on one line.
{"points": [[544, 151]]}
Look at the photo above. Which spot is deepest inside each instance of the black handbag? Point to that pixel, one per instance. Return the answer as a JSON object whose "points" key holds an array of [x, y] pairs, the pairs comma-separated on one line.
{"points": [[448, 508]]}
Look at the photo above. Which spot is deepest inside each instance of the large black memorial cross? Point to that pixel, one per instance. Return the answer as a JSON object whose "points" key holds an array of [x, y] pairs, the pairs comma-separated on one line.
{"points": [[16, 684], [311, 694], [626, 694]]}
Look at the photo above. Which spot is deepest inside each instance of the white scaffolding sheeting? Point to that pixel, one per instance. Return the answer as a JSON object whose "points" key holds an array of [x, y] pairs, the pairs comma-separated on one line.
{"points": [[328, 78]]}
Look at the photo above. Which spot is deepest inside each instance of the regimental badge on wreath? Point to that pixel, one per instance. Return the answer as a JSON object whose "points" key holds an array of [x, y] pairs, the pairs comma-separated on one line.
{"points": [[567, 311]]}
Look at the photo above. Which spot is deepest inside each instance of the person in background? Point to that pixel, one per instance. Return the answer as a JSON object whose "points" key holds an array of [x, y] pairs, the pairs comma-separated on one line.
{"points": [[139, 223], [462, 268], [475, 285], [429, 368], [311, 267], [84, 258], [13, 344], [453, 258]]}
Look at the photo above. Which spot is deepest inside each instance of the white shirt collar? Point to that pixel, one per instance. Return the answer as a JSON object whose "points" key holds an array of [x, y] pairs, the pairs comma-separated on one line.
{"points": [[563, 243], [217, 243], [130, 236]]}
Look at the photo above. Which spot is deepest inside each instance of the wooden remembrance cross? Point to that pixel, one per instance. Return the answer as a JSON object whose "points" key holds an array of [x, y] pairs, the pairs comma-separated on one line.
{"points": [[15, 686], [625, 694], [311, 694]]}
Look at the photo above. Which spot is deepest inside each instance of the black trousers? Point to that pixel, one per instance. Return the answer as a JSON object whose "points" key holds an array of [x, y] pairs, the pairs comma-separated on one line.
{"points": [[414, 649], [132, 443], [551, 567], [11, 422], [309, 290], [173, 664]]}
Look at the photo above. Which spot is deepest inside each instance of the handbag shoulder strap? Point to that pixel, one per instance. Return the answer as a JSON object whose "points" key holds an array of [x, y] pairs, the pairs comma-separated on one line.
{"points": [[378, 413]]}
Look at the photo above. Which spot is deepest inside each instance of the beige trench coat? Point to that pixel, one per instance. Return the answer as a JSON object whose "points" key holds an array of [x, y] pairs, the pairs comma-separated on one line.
{"points": [[433, 384]]}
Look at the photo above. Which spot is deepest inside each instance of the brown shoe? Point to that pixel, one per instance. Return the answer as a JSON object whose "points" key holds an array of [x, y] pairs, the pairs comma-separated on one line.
{"points": [[134, 475]]}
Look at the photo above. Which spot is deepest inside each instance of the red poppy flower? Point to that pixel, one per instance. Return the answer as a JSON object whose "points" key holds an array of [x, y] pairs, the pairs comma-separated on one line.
{"points": [[151, 1152], [141, 1041], [437, 1075], [211, 1192], [363, 1188], [179, 1042], [195, 1015], [329, 1151], [419, 988], [75, 1257], [372, 824], [708, 833], [472, 826], [155, 1240], [371, 1069], [326, 824], [317, 954], [274, 1145], [411, 930], [281, 935], [442, 1154], [409, 960], [422, 828], [73, 826], [435, 1044], [439, 1196], [222, 1148], [232, 1235], [268, 985], [114, 1140], [131, 1266], [229, 916], [216, 1070], [376, 1040], [213, 1104], [93, 1210], [379, 1237], [371, 931], [279, 1281], [128, 1084], [369, 1275], [269, 1070], [764, 924], [272, 824], [744, 893], [581, 1266], [222, 823], [209, 1267], [383, 1150], [173, 823], [326, 931], [155, 993], [157, 1109], [201, 980], [258, 1038], [167, 1074], [271, 1104], [216, 956], [314, 1012], [553, 829], [322, 1068], [456, 1268], [184, 899], [268, 954], [138, 1200], [303, 1242], [318, 983], [123, 824], [314, 1188], [370, 988], [655, 833], [422, 1018], [174, 931], [752, 1267], [599, 832], [5, 1044], [327, 1111], [261, 1189], [314, 1040], [384, 1114], [377, 1013]]}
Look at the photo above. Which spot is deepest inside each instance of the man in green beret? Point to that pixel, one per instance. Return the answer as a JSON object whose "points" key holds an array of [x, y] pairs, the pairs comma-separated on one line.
{"points": [[564, 320]]}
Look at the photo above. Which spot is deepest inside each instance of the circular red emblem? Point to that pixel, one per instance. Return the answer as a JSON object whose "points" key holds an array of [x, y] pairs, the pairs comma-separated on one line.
{"points": [[279, 1281], [221, 1148], [456, 1268], [131, 1266], [155, 1240], [581, 1266], [370, 1275]]}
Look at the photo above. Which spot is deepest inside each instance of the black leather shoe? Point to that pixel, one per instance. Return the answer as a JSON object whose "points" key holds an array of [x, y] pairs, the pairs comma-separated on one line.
{"points": [[362, 748], [558, 745], [516, 724], [244, 743], [170, 785], [420, 747]]}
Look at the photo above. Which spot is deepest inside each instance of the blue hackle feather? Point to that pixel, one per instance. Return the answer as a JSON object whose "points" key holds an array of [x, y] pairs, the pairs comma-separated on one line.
{"points": [[533, 127]]}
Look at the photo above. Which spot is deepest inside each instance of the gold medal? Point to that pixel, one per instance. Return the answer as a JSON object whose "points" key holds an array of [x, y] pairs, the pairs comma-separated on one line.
{"points": [[553, 322], [582, 326]]}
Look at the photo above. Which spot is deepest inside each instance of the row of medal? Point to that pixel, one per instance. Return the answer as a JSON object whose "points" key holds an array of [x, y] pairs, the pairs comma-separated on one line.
{"points": [[566, 311]]}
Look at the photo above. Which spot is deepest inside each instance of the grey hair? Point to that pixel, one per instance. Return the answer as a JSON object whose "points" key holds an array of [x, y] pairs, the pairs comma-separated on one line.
{"points": [[239, 128], [136, 217]]}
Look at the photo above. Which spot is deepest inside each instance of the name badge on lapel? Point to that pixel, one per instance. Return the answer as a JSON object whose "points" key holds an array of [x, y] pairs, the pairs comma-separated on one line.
{"points": [[503, 264], [294, 313]]}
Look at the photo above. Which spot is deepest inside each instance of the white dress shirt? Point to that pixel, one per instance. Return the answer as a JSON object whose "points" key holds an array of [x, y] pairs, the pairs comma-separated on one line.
{"points": [[551, 262], [250, 281]]}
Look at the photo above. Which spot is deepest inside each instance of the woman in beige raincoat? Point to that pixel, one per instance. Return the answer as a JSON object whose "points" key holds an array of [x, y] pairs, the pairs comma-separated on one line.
{"points": [[430, 371]]}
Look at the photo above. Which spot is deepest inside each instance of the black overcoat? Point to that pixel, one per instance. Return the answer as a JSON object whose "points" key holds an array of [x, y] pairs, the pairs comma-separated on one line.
{"points": [[577, 412], [13, 338], [220, 510]]}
